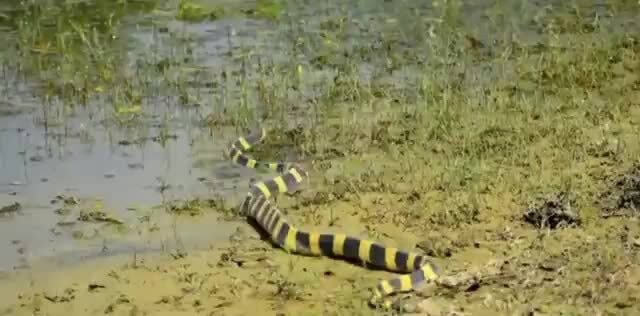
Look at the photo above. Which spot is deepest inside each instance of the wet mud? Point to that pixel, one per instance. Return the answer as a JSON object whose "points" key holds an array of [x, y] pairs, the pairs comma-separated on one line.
{"points": [[505, 148]]}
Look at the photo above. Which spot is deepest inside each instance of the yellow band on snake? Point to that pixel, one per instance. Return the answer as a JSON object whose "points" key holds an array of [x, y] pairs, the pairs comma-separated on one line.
{"points": [[272, 220]]}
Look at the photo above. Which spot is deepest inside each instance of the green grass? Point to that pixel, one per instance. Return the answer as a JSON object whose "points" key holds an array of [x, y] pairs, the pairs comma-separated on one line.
{"points": [[453, 153]]}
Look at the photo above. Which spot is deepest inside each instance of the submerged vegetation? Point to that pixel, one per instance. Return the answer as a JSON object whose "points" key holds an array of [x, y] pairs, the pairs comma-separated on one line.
{"points": [[502, 131]]}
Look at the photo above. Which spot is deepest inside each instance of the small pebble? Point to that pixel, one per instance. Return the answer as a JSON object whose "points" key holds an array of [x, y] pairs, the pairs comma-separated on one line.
{"points": [[36, 158], [135, 166]]}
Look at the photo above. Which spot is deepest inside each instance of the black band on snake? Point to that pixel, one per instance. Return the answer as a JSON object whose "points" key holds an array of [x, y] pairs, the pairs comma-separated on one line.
{"points": [[286, 236]]}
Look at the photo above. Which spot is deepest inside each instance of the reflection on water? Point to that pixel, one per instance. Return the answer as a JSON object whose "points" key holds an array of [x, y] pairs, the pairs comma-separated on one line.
{"points": [[127, 171]]}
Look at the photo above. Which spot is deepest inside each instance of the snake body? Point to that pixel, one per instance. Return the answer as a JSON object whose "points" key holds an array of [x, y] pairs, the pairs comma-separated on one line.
{"points": [[258, 206]]}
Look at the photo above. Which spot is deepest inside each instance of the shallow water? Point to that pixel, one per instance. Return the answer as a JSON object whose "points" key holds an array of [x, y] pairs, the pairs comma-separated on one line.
{"points": [[49, 152], [87, 161], [46, 150]]}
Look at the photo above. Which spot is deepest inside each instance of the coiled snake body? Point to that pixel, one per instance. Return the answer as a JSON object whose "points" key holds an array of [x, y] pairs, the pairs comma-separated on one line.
{"points": [[258, 206]]}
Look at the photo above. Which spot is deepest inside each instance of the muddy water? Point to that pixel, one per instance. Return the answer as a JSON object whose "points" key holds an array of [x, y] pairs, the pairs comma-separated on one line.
{"points": [[126, 172], [49, 153]]}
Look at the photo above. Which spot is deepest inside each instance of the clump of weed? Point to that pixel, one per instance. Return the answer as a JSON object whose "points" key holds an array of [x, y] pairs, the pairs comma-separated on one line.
{"points": [[269, 9], [97, 216], [11, 208], [195, 207], [194, 11], [553, 212], [189, 10], [624, 196], [190, 207]]}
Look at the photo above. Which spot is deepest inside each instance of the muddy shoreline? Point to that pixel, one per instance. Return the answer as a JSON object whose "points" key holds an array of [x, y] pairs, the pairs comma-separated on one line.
{"points": [[498, 138]]}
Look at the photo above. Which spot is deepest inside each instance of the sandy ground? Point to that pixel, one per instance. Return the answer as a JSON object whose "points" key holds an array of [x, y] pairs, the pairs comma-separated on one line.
{"points": [[246, 276]]}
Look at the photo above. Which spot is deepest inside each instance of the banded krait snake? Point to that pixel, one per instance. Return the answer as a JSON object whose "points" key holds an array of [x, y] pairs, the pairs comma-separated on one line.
{"points": [[258, 206]]}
